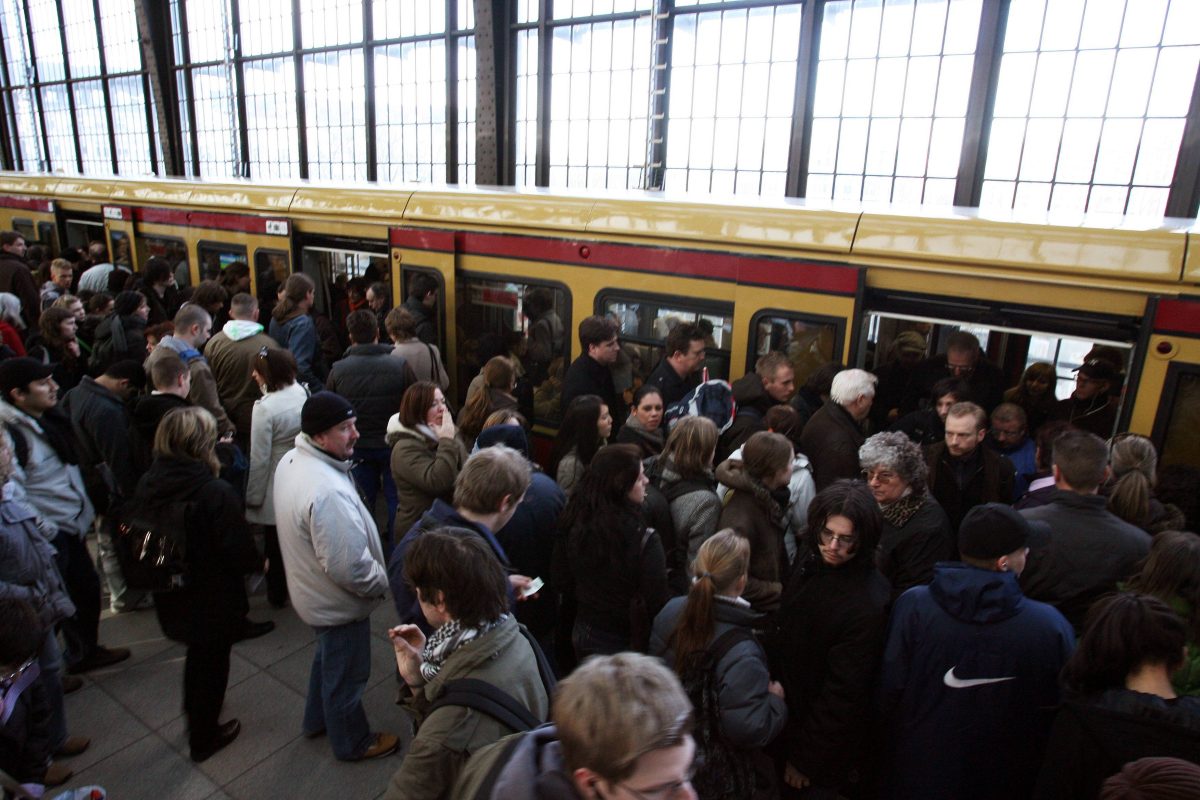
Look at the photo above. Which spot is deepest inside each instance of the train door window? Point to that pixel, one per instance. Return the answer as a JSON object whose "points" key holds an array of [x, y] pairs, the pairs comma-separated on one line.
{"points": [[808, 342], [528, 322], [82, 232], [645, 322], [407, 276], [271, 269], [26, 229], [216, 257], [896, 343], [48, 236], [336, 264], [173, 249], [119, 252], [1177, 442]]}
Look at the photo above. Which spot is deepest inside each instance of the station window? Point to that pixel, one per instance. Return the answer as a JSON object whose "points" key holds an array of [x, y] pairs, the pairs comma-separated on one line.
{"points": [[808, 342], [172, 249], [528, 322], [645, 322], [271, 269]]}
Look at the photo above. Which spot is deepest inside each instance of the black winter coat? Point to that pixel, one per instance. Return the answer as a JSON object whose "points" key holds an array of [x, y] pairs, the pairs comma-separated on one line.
{"points": [[133, 334], [831, 440], [588, 376], [1080, 552], [906, 555], [1092, 739], [825, 649], [991, 479], [373, 380], [220, 551]]}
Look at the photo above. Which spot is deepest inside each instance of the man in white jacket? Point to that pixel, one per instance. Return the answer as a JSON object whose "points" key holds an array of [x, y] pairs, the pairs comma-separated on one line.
{"points": [[335, 573]]}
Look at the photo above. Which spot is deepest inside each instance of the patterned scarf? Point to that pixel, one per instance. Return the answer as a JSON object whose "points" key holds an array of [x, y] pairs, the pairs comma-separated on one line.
{"points": [[900, 512], [448, 638]]}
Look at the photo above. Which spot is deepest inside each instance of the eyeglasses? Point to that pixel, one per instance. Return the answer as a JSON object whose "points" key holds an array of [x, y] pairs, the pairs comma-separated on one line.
{"points": [[828, 537], [882, 476], [664, 792]]}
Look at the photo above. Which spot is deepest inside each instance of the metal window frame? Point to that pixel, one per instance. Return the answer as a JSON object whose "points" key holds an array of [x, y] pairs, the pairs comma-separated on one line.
{"points": [[840, 326]]}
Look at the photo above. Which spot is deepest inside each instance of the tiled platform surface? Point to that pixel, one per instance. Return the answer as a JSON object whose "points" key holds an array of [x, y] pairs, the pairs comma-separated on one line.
{"points": [[133, 714]]}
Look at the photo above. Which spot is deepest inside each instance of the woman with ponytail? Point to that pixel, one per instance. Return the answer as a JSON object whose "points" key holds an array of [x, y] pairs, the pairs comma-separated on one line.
{"points": [[1134, 464], [712, 628]]}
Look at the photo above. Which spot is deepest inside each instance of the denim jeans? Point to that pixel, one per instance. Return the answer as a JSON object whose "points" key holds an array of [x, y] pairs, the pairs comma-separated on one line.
{"points": [[340, 669], [372, 466], [51, 663]]}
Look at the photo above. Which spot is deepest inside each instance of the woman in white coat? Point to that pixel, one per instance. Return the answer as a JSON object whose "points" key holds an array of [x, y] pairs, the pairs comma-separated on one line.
{"points": [[273, 428]]}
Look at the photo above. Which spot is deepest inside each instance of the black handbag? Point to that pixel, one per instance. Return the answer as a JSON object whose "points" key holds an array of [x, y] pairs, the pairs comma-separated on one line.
{"points": [[151, 545]]}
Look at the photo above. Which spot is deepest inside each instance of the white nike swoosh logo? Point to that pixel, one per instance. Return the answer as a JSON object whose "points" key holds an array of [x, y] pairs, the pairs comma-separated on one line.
{"points": [[959, 683]]}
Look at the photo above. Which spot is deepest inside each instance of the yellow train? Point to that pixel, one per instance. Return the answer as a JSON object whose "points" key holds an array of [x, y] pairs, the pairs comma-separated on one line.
{"points": [[820, 282]]}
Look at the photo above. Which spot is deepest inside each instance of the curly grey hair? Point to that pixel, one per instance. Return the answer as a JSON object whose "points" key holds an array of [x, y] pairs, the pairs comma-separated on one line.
{"points": [[896, 452]]}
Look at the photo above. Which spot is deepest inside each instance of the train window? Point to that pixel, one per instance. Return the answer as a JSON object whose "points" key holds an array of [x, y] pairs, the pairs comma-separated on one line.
{"points": [[119, 252], [1181, 410], [646, 320], [215, 257], [808, 342], [271, 269], [48, 236], [530, 323], [407, 274], [81, 233], [173, 249], [26, 229]]}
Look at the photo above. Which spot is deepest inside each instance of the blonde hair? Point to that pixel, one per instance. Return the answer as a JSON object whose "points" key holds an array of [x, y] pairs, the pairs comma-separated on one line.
{"points": [[722, 561], [690, 446], [188, 433], [613, 710], [1134, 463]]}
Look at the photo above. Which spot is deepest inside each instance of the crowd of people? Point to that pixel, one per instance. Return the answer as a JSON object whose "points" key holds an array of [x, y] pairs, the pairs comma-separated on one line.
{"points": [[745, 590]]}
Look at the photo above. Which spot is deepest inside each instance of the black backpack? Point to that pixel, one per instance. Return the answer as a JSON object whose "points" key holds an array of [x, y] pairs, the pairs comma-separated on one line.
{"points": [[151, 546], [495, 702], [722, 771]]}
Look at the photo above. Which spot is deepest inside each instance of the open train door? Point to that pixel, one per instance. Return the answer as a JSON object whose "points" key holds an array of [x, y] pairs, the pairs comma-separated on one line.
{"points": [[423, 251], [118, 233], [1168, 398]]}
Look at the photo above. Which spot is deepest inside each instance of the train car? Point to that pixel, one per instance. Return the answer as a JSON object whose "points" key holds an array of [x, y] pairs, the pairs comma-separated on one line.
{"points": [[821, 283]]}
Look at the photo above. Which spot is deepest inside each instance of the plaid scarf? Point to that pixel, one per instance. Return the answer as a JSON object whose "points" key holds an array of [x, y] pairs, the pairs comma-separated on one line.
{"points": [[448, 638]]}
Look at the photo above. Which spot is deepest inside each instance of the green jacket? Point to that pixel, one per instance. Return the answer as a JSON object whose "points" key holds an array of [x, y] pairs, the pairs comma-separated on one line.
{"points": [[451, 734]]}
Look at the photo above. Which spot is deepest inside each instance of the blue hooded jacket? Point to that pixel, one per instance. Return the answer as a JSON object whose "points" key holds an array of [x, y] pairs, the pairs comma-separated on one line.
{"points": [[970, 685]]}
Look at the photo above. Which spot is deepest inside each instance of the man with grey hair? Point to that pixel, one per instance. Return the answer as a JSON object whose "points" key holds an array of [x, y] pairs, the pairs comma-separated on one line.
{"points": [[193, 325], [832, 437]]}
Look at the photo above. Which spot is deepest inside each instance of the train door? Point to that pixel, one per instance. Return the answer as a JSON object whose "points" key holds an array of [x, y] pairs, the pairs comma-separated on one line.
{"points": [[1168, 404], [78, 229], [902, 334], [426, 257], [338, 267], [119, 231]]}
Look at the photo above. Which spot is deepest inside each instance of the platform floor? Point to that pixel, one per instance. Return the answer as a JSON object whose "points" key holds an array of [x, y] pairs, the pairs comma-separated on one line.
{"points": [[133, 714]]}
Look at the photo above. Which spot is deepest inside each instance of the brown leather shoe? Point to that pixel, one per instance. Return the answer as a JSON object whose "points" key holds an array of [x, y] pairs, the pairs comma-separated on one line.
{"points": [[73, 746], [382, 744], [57, 774], [101, 657]]}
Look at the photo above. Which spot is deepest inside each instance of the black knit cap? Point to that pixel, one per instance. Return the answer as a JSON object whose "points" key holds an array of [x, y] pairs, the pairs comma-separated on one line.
{"points": [[992, 530], [324, 410]]}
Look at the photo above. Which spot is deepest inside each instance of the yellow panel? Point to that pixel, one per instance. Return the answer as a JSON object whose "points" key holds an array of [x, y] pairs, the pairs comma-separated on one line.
{"points": [[1191, 271], [1154, 375], [351, 202], [19, 183], [1149, 254], [791, 224], [752, 299], [75, 188], [523, 209], [243, 198], [317, 226], [444, 264], [1108, 297], [152, 193]]}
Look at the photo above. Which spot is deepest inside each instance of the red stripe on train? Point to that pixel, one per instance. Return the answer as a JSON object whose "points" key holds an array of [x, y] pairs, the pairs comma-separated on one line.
{"points": [[1180, 316]]}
